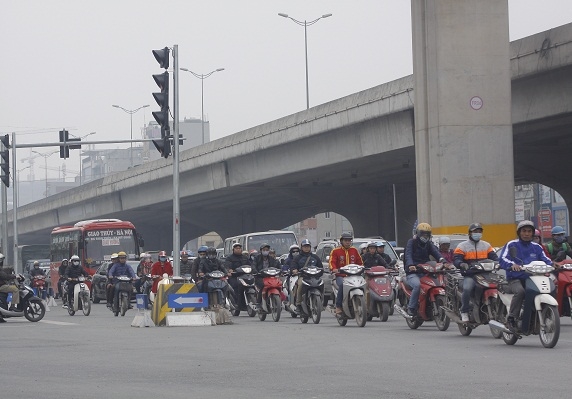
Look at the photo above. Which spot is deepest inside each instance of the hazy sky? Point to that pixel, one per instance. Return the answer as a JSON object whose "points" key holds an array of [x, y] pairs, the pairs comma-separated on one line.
{"points": [[66, 62]]}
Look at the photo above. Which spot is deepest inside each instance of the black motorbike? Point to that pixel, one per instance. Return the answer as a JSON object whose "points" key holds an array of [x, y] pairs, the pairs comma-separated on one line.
{"points": [[31, 307], [312, 293], [216, 287], [122, 295], [246, 293]]}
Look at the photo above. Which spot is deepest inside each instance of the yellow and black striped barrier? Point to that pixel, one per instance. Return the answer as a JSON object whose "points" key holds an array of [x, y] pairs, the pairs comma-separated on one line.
{"points": [[161, 304]]}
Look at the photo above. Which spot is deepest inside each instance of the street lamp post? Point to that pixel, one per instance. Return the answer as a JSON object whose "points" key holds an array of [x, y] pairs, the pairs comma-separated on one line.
{"points": [[46, 156], [202, 77], [131, 112], [305, 24]]}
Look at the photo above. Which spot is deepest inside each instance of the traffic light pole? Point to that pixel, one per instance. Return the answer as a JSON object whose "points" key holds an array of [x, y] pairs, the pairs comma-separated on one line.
{"points": [[176, 211], [4, 193], [14, 205]]}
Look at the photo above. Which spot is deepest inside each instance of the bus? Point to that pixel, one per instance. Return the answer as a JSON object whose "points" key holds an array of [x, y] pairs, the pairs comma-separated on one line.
{"points": [[93, 241], [279, 240], [30, 253]]}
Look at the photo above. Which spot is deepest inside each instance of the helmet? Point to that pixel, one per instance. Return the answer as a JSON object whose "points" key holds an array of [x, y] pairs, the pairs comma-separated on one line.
{"points": [[445, 240], [236, 244], [184, 253], [2, 256], [294, 247], [371, 244], [121, 254], [202, 248], [75, 260], [362, 246], [423, 227], [253, 252], [272, 251], [305, 242], [64, 260], [211, 252], [75, 257], [142, 255], [346, 235], [162, 253], [524, 223], [558, 230], [113, 256], [380, 244], [263, 245], [475, 226], [537, 233], [36, 263]]}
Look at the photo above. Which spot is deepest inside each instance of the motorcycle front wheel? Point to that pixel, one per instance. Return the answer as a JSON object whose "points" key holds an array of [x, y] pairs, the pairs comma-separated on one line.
{"points": [[250, 299], [441, 319], [499, 310], [34, 311], [550, 333], [124, 304], [85, 304], [275, 307], [316, 308], [360, 310], [383, 309]]}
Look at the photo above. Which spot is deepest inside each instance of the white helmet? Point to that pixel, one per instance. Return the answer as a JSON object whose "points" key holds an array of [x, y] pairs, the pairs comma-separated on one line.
{"points": [[444, 240], [362, 246]]}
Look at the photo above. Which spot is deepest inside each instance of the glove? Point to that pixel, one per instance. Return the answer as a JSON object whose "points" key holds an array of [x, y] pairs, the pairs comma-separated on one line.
{"points": [[464, 266]]}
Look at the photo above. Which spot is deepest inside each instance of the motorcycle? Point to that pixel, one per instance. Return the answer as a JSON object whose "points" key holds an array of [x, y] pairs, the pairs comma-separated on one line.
{"points": [[483, 298], [39, 283], [288, 289], [353, 303], [216, 286], [271, 294], [146, 288], [64, 294], [30, 306], [312, 293], [246, 295], [380, 294], [564, 288], [80, 299], [432, 297], [122, 295], [539, 312]]}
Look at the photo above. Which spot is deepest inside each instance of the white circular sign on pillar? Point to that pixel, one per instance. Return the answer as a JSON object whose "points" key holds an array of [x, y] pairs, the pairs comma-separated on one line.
{"points": [[476, 103]]}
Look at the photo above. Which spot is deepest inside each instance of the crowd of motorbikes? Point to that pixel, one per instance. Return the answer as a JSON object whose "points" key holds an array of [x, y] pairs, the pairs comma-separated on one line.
{"points": [[368, 293]]}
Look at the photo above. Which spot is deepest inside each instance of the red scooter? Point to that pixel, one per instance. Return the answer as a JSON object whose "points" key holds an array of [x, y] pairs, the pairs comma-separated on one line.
{"points": [[379, 293], [564, 288], [39, 283], [432, 298], [271, 301]]}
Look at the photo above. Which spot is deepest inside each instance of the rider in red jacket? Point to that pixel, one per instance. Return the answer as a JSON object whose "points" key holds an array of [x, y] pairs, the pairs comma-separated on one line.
{"points": [[159, 268], [339, 257]]}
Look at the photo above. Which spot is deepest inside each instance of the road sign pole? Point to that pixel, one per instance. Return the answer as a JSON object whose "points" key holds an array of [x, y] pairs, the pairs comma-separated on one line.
{"points": [[15, 205], [176, 212]]}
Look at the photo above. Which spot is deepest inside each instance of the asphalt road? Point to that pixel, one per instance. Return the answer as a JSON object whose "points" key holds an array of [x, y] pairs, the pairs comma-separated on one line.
{"points": [[102, 356]]}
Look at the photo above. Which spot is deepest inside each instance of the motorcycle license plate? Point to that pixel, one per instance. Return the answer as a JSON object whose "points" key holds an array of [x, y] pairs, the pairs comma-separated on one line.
{"points": [[381, 280]]}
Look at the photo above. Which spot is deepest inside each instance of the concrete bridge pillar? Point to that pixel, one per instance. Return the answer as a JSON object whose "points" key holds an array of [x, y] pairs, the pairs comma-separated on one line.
{"points": [[463, 129]]}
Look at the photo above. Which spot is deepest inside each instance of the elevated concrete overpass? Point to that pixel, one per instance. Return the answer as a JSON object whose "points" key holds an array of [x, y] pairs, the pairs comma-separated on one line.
{"points": [[342, 156]]}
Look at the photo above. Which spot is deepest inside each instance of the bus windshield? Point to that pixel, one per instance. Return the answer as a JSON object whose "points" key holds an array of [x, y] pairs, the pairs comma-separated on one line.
{"points": [[278, 241], [100, 244]]}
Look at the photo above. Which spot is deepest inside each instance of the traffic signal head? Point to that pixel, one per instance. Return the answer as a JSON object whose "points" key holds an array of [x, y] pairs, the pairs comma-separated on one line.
{"points": [[162, 116], [162, 57], [64, 149], [5, 160], [163, 146]]}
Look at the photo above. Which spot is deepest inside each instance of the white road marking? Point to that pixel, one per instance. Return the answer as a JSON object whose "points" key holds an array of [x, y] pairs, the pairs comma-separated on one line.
{"points": [[58, 323]]}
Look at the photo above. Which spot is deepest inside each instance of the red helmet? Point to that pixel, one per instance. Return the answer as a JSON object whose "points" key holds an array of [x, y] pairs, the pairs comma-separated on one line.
{"points": [[537, 233]]}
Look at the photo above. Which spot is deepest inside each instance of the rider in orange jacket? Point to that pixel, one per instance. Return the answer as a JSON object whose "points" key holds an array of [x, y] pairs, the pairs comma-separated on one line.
{"points": [[341, 256]]}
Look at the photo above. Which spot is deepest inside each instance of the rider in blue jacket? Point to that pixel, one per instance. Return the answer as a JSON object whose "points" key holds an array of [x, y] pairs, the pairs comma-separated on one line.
{"points": [[526, 251]]}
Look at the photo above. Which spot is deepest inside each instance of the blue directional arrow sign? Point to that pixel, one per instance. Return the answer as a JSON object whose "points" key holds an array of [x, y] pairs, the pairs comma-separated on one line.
{"points": [[177, 301]]}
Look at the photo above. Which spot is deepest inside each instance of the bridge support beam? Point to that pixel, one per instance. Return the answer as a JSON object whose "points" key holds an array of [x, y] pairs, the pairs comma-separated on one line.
{"points": [[463, 130]]}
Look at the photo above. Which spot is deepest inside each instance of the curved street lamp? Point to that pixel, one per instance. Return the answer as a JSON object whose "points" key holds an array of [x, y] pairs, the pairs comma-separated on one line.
{"points": [[305, 24], [131, 112], [202, 77]]}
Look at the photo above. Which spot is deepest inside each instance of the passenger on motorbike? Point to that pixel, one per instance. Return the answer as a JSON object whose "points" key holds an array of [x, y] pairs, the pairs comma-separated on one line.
{"points": [[202, 252], [472, 250], [143, 269], [186, 266], [36, 271], [527, 251], [232, 261], [417, 251], [386, 257], [292, 253], [110, 288], [262, 261], [558, 249], [61, 273], [73, 271], [159, 268], [121, 268], [305, 259], [363, 249], [445, 249], [372, 258], [7, 279], [341, 256], [209, 264]]}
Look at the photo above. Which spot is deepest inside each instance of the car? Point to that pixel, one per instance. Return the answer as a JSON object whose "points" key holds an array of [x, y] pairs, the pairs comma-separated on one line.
{"points": [[99, 283], [456, 239]]}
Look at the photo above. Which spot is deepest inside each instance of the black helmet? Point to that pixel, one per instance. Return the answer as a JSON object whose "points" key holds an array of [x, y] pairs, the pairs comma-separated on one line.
{"points": [[264, 245], [475, 226], [346, 235], [211, 251]]}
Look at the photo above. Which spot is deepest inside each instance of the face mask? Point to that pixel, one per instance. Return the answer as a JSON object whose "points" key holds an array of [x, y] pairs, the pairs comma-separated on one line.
{"points": [[75, 263], [476, 236], [265, 253], [559, 239], [424, 239], [162, 259], [212, 256]]}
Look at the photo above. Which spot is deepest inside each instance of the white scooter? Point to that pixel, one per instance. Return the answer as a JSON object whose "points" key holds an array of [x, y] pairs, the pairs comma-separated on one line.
{"points": [[353, 303], [288, 289], [539, 313], [80, 297]]}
